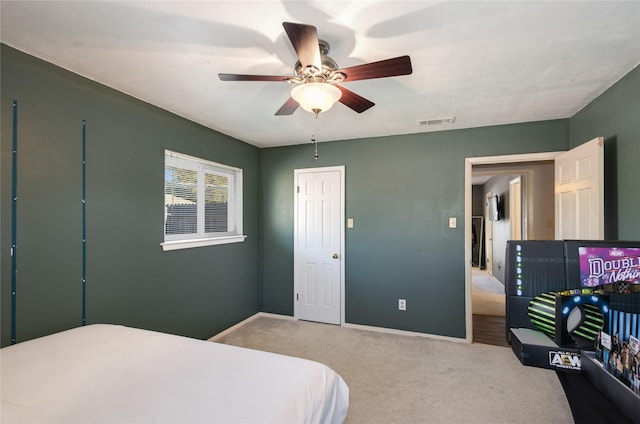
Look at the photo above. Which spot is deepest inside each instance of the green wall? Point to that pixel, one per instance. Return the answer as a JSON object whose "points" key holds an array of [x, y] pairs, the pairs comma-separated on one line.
{"points": [[615, 115], [130, 280], [400, 190]]}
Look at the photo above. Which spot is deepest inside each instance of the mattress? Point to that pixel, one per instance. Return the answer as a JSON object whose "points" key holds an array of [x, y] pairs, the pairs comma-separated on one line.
{"points": [[107, 373]]}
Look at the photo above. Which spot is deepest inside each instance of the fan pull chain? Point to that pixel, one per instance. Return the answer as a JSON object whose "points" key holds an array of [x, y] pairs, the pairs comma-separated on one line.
{"points": [[313, 134], [315, 155]]}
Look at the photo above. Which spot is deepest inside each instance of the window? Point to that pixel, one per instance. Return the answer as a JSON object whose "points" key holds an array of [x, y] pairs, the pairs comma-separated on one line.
{"points": [[202, 202]]}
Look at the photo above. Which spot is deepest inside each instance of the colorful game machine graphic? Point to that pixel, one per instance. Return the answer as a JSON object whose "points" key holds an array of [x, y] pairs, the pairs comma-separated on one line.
{"points": [[578, 317], [616, 271]]}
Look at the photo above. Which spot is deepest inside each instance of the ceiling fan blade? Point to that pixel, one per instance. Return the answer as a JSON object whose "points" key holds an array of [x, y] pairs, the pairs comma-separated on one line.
{"points": [[245, 77], [353, 100], [384, 68], [304, 39], [288, 107]]}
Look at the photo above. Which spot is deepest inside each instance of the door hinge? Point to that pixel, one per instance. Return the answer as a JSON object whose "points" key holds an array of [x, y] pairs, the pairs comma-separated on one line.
{"points": [[297, 189], [297, 296]]}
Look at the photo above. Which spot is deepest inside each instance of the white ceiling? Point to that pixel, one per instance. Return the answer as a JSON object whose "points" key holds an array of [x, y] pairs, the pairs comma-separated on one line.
{"points": [[486, 63]]}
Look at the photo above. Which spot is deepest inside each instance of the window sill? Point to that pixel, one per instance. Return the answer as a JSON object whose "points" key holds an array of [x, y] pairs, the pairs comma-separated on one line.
{"points": [[187, 244]]}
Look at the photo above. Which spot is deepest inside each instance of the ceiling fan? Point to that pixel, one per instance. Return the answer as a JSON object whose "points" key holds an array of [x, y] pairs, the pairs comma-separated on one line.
{"points": [[317, 75]]}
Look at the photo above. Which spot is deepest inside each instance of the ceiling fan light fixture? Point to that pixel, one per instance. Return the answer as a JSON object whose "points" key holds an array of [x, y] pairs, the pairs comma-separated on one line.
{"points": [[316, 97]]}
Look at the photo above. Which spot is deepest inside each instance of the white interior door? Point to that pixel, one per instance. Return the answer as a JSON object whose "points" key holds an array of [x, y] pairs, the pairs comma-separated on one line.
{"points": [[319, 245], [515, 208], [579, 192], [488, 256]]}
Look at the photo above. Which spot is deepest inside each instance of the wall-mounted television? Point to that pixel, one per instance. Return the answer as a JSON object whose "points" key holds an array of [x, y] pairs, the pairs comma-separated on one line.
{"points": [[493, 207]]}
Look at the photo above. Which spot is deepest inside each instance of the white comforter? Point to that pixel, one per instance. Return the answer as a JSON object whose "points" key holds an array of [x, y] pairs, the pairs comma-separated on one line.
{"points": [[115, 374]]}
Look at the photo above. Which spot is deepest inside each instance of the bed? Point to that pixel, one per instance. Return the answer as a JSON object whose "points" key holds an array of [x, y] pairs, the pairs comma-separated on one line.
{"points": [[107, 373]]}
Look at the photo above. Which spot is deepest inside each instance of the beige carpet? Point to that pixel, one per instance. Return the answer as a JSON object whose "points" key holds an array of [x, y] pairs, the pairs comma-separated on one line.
{"points": [[487, 294], [407, 379]]}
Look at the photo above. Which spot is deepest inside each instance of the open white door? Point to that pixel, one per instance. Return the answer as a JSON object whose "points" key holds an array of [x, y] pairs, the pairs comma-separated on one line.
{"points": [[319, 245], [579, 192], [488, 238], [515, 208]]}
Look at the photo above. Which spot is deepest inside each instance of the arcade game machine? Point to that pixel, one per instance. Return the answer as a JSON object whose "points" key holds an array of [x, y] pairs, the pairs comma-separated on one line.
{"points": [[574, 306]]}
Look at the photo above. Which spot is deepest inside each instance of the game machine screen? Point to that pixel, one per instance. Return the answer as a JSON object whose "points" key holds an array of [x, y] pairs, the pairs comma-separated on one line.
{"points": [[605, 276]]}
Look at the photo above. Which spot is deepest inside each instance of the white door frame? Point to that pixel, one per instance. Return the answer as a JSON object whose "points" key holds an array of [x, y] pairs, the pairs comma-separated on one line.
{"points": [[515, 205], [468, 165], [340, 169], [488, 236]]}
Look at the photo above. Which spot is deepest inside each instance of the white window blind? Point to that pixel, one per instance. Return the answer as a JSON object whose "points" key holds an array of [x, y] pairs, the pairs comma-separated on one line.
{"points": [[202, 201]]}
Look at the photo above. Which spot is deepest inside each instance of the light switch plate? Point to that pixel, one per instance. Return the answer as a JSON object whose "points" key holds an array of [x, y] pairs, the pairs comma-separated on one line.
{"points": [[453, 222], [350, 223]]}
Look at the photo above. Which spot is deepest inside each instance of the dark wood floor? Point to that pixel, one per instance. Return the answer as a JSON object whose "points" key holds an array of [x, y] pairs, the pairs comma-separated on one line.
{"points": [[489, 330]]}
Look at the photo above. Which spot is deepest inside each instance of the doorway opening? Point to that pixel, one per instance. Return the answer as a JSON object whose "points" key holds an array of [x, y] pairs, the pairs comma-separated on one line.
{"points": [[505, 168]]}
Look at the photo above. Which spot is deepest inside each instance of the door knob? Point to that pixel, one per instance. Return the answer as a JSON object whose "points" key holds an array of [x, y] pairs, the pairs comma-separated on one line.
{"points": [[336, 256]]}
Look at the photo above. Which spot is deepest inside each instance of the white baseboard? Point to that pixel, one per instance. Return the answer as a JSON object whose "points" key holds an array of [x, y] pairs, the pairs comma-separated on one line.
{"points": [[405, 333], [243, 322], [345, 325]]}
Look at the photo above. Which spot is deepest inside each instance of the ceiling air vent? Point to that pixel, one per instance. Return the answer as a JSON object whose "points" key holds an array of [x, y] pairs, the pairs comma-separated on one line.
{"points": [[437, 121]]}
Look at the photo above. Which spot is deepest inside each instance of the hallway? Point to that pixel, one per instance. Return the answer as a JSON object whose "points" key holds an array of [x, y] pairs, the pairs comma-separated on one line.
{"points": [[488, 294], [488, 303]]}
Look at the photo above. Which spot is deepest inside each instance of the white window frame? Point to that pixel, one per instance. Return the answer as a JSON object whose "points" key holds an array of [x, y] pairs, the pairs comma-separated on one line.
{"points": [[199, 239]]}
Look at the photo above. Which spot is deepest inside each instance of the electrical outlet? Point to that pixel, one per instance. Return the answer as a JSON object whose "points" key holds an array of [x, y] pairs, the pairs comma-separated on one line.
{"points": [[402, 304]]}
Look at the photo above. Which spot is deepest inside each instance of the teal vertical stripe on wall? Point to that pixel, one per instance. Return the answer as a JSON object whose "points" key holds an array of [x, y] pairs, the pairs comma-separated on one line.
{"points": [[84, 222], [14, 221]]}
